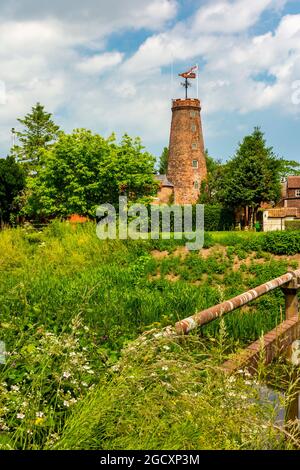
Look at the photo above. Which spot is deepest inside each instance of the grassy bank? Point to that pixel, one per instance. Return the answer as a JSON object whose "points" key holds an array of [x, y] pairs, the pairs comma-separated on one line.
{"points": [[70, 307]]}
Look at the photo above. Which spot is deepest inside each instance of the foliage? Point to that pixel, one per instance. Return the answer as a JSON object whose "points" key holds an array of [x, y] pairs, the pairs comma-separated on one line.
{"points": [[217, 218], [84, 170], [39, 132], [163, 161], [165, 394], [252, 176], [282, 243], [289, 168], [278, 243], [210, 187], [292, 225], [12, 181], [70, 305]]}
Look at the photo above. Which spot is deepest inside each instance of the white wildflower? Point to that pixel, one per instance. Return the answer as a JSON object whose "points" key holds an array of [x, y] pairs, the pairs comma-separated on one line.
{"points": [[20, 416], [15, 388], [66, 375], [39, 414], [165, 368]]}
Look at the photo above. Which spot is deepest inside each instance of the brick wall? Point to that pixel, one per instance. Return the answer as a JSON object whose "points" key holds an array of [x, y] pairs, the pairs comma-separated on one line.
{"points": [[164, 195], [293, 203], [186, 146]]}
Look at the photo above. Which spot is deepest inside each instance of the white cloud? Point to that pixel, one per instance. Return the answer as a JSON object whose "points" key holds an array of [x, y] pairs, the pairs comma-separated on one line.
{"points": [[231, 17], [56, 53], [100, 63]]}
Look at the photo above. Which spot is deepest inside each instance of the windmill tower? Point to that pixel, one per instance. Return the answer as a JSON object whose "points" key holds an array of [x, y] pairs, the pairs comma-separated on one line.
{"points": [[186, 164]]}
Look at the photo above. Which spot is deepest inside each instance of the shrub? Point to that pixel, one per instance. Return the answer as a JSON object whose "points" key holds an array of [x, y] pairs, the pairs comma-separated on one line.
{"points": [[282, 243], [217, 218], [292, 225]]}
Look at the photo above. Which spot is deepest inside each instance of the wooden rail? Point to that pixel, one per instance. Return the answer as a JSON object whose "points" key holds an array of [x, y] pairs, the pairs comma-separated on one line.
{"points": [[290, 280], [274, 342]]}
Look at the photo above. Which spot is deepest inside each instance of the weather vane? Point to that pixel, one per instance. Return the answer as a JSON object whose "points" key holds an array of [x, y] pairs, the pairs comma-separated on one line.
{"points": [[188, 75]]}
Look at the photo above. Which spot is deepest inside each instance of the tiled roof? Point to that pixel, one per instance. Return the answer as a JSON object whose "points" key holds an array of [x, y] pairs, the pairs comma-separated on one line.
{"points": [[284, 212], [163, 180], [293, 182]]}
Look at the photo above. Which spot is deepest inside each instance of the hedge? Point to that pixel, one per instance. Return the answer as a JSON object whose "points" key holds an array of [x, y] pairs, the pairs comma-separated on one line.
{"points": [[282, 243], [217, 218], [292, 225]]}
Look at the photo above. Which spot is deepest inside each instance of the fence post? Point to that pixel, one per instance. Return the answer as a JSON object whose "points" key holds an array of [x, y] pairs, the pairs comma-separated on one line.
{"points": [[291, 310], [291, 299]]}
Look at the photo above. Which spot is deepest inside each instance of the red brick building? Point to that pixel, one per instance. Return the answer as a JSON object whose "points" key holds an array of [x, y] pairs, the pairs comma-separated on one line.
{"points": [[186, 164], [287, 209], [291, 192], [165, 193]]}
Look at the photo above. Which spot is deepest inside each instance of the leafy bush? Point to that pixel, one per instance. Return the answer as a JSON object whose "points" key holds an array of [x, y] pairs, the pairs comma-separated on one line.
{"points": [[292, 225], [282, 243], [217, 218]]}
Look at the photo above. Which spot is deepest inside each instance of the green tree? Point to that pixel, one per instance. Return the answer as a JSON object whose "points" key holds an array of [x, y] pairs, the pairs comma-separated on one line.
{"points": [[12, 181], [252, 176], [210, 187], [163, 161], [289, 168], [83, 170], [39, 132]]}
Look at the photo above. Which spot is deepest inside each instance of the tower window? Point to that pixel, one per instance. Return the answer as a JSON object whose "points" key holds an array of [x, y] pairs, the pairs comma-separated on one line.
{"points": [[297, 193], [193, 113], [193, 127], [196, 185], [195, 163], [194, 146]]}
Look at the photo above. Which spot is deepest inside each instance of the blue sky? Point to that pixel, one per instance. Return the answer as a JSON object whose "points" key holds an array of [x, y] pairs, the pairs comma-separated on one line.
{"points": [[107, 66]]}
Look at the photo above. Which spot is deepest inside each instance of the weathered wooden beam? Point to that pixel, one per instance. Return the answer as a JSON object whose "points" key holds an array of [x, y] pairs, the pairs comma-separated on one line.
{"points": [[273, 343], [210, 314], [290, 291]]}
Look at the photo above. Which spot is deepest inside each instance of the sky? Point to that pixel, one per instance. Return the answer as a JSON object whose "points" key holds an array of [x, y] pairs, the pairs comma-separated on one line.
{"points": [[107, 66]]}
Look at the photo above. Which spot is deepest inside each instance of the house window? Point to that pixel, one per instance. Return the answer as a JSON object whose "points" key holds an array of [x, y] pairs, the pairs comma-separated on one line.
{"points": [[196, 185], [194, 146], [193, 127], [193, 113], [195, 163], [297, 192]]}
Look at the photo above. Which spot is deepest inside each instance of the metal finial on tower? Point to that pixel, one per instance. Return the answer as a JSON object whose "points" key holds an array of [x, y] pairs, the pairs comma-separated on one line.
{"points": [[188, 75], [13, 137]]}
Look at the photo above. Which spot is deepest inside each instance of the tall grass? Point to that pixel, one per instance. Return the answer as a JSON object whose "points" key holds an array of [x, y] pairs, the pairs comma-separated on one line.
{"points": [[69, 305]]}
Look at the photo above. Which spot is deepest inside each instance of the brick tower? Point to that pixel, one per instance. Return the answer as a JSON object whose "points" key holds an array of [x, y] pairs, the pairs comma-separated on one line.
{"points": [[186, 165]]}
